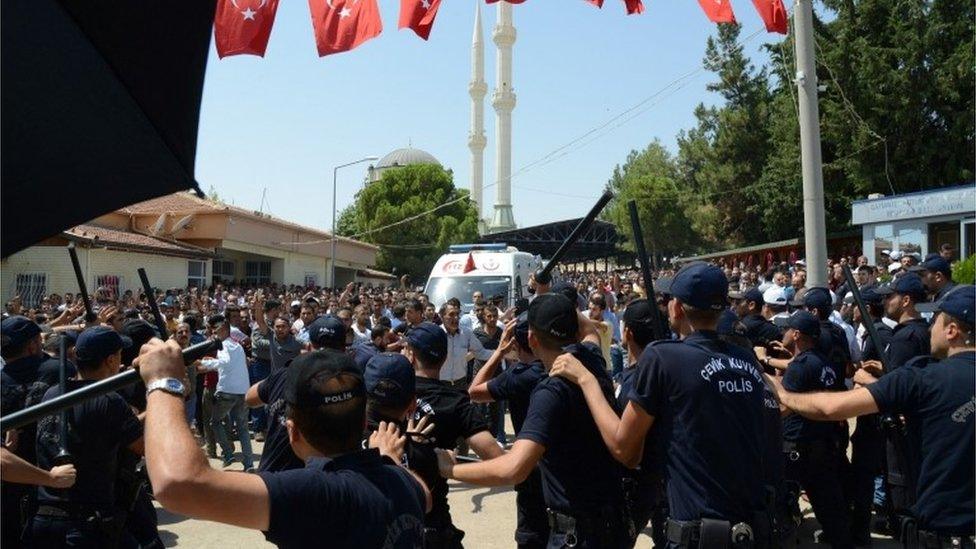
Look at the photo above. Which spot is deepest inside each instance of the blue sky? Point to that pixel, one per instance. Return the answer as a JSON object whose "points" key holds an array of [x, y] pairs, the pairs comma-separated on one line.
{"points": [[283, 122]]}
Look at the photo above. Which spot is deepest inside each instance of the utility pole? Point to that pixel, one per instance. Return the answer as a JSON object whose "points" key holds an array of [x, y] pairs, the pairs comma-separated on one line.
{"points": [[814, 224]]}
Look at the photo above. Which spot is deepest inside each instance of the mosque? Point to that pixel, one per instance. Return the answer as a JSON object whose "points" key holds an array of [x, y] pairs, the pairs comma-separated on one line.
{"points": [[503, 101]]}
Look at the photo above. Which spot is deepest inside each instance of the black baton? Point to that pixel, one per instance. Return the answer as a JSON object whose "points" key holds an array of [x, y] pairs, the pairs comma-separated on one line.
{"points": [[866, 317], [31, 414], [646, 271], [63, 457], [153, 306], [90, 315], [544, 275]]}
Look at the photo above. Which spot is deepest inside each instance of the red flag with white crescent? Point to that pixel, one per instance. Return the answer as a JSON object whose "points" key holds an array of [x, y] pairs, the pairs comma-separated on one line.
{"points": [[469, 264], [341, 25], [243, 26], [419, 15], [633, 6], [773, 14], [719, 11]]}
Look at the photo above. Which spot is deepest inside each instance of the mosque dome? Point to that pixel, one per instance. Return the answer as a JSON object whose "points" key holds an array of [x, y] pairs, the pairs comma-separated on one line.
{"points": [[407, 156]]}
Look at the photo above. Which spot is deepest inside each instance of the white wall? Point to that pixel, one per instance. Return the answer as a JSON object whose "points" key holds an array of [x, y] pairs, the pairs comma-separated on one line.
{"points": [[163, 271]]}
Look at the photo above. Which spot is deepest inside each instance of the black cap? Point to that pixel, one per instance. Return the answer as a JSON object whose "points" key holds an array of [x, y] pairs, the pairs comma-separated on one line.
{"points": [[815, 298], [99, 342], [138, 330], [959, 302], [805, 323], [390, 379], [566, 290], [309, 370], [429, 339], [934, 263], [638, 311], [701, 285], [907, 284], [327, 331], [554, 315], [19, 329]]}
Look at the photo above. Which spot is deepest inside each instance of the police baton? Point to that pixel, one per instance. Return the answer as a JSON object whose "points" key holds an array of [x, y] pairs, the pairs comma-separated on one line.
{"points": [[866, 319], [90, 315], [646, 271], [544, 275], [153, 306], [63, 457], [65, 401]]}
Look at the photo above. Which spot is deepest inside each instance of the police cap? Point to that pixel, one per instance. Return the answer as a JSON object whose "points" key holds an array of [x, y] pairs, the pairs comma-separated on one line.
{"points": [[310, 370], [390, 379], [701, 285], [555, 315], [19, 329]]}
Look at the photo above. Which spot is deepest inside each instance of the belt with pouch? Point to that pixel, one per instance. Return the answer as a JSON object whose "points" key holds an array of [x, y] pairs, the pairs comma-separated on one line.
{"points": [[597, 524], [713, 534], [74, 512]]}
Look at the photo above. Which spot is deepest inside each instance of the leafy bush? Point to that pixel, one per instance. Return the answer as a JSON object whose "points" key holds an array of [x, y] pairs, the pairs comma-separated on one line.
{"points": [[964, 272]]}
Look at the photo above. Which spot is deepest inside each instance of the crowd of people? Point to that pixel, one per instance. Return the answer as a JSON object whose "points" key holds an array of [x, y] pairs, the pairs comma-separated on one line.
{"points": [[702, 414]]}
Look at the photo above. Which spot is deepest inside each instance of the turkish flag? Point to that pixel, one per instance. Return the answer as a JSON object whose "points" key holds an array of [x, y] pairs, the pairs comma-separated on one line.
{"points": [[243, 26], [418, 15], [341, 25], [633, 6], [469, 264], [773, 13], [719, 11]]}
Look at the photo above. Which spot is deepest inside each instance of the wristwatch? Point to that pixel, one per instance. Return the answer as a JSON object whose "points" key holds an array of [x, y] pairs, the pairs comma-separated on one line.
{"points": [[170, 385]]}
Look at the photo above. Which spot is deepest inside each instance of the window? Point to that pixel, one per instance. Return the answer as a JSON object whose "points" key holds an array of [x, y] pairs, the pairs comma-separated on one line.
{"points": [[910, 239], [31, 287], [109, 285], [196, 274], [223, 270], [257, 272], [884, 239], [311, 280]]}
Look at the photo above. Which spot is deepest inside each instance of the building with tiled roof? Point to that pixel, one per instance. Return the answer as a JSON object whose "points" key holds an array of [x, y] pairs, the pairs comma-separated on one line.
{"points": [[183, 240]]}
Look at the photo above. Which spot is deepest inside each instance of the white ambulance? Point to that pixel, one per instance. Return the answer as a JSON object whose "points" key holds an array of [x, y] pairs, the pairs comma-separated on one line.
{"points": [[492, 269]]}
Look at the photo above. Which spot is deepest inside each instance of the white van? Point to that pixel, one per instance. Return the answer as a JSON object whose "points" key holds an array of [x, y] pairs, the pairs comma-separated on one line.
{"points": [[492, 269]]}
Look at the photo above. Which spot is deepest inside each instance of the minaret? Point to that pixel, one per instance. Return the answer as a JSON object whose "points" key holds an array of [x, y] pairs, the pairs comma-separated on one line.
{"points": [[476, 137], [503, 100]]}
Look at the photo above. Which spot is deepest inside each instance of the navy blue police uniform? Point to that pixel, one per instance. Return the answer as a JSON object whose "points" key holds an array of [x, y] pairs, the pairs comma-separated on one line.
{"points": [[88, 513], [706, 398], [516, 385], [358, 499], [937, 400], [454, 417], [23, 383], [277, 454], [810, 447], [910, 339], [867, 442], [759, 330], [581, 482]]}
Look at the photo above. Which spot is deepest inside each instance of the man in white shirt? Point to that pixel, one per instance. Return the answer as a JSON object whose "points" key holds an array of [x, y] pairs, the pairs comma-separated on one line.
{"points": [[232, 385], [460, 342]]}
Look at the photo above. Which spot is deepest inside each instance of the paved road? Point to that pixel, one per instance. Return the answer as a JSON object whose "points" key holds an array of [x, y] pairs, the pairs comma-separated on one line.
{"points": [[487, 515]]}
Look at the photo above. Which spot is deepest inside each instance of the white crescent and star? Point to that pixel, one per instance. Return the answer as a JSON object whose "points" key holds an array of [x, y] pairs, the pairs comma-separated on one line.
{"points": [[247, 13], [425, 4], [344, 12]]}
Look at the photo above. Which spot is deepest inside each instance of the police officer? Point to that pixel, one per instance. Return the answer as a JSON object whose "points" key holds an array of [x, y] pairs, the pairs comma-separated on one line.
{"points": [[759, 330], [453, 416], [344, 495], [936, 274], [910, 339], [391, 386], [811, 448], [867, 442], [87, 514], [26, 375], [937, 396], [515, 385], [582, 485], [704, 398], [833, 342], [325, 332]]}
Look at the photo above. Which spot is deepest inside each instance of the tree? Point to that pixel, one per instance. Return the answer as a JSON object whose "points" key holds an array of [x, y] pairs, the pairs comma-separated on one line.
{"points": [[650, 177], [412, 247], [346, 225]]}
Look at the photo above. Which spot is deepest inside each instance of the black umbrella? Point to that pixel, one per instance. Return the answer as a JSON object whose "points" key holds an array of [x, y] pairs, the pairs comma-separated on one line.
{"points": [[101, 105]]}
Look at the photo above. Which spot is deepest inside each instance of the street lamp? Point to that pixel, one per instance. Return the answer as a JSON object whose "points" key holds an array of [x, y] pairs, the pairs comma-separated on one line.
{"points": [[335, 174]]}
